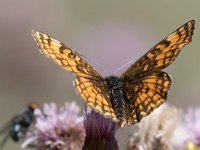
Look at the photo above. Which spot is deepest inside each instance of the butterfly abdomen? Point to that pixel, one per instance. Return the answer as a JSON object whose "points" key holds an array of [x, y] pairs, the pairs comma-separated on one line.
{"points": [[116, 97]]}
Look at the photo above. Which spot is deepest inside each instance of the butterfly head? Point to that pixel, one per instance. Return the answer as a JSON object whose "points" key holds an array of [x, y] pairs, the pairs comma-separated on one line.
{"points": [[113, 82]]}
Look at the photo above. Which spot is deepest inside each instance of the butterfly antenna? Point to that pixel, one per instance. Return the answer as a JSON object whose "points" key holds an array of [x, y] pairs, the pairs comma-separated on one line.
{"points": [[104, 71], [120, 68]]}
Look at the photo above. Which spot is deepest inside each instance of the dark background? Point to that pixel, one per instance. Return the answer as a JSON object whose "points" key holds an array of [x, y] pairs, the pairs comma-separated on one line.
{"points": [[110, 33]]}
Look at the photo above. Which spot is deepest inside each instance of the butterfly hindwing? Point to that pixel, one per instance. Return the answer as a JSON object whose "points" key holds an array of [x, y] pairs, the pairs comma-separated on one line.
{"points": [[95, 95], [146, 95], [162, 54]]}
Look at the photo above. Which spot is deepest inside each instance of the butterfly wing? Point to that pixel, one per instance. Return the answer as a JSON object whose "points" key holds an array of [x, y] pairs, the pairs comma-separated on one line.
{"points": [[162, 54], [64, 56], [88, 83], [145, 86], [95, 95], [145, 95]]}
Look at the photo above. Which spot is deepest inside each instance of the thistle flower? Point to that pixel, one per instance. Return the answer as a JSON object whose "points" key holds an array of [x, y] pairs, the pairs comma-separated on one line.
{"points": [[57, 129], [162, 130], [100, 132], [192, 124]]}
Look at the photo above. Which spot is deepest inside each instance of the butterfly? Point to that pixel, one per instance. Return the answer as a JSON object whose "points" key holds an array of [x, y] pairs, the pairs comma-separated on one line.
{"points": [[137, 92], [17, 127]]}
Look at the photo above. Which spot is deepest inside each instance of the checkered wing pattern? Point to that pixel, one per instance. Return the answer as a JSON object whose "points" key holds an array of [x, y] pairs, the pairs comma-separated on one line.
{"points": [[162, 54], [144, 84], [88, 83], [95, 95], [146, 94], [64, 56]]}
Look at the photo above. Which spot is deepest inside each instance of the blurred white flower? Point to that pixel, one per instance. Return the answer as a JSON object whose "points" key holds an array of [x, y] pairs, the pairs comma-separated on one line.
{"points": [[162, 130], [192, 125]]}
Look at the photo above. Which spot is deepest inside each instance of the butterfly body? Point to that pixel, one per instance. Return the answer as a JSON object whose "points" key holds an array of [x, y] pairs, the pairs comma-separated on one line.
{"points": [[116, 95], [142, 88]]}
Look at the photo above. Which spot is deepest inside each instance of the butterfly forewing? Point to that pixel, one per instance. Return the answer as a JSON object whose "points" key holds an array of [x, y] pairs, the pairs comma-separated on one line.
{"points": [[64, 56], [162, 54]]}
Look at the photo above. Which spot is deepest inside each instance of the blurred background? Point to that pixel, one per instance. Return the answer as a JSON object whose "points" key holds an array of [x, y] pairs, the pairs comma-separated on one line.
{"points": [[110, 33]]}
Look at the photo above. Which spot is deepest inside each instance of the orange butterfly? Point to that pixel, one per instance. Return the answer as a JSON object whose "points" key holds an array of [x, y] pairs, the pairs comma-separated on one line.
{"points": [[135, 94]]}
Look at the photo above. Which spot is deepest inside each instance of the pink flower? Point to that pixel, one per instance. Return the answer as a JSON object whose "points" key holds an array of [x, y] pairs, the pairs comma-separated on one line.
{"points": [[192, 125], [57, 128], [100, 132]]}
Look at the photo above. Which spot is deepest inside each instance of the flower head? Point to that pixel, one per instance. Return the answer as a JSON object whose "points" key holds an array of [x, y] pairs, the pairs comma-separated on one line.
{"points": [[192, 124], [57, 128], [160, 130], [100, 132]]}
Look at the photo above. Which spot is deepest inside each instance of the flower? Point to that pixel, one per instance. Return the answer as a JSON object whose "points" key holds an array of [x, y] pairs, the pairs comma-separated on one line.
{"points": [[100, 132], [162, 130], [192, 125], [57, 128]]}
